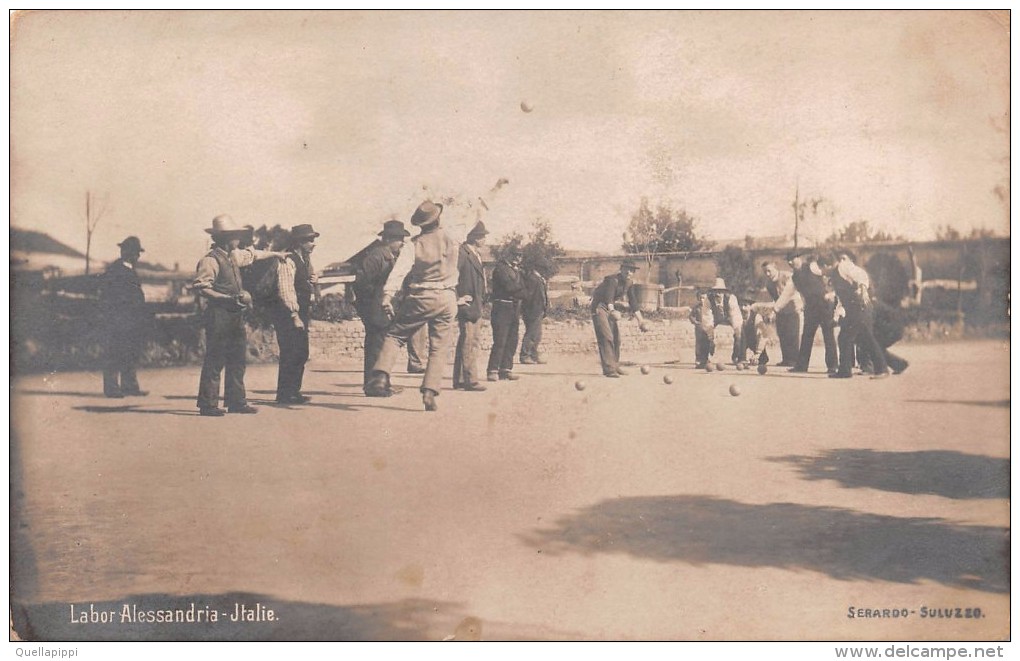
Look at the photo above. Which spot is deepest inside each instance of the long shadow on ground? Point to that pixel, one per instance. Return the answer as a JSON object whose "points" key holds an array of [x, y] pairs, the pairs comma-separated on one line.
{"points": [[948, 474], [844, 544]]}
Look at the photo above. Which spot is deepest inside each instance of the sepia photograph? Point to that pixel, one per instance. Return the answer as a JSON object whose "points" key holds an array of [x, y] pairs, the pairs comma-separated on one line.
{"points": [[498, 326]]}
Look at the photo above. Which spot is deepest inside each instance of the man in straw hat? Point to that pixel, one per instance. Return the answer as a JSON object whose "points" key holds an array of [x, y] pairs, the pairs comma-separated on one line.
{"points": [[717, 306], [123, 316], [471, 288], [372, 268], [218, 281], [614, 292], [295, 281], [428, 277]]}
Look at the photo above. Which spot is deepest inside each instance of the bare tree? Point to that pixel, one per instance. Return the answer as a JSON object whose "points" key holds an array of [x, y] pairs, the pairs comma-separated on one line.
{"points": [[93, 213]]}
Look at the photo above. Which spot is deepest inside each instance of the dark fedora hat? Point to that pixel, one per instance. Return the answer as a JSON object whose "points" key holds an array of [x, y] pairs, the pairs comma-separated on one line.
{"points": [[478, 231], [426, 213], [629, 264], [131, 243], [303, 232], [394, 229]]}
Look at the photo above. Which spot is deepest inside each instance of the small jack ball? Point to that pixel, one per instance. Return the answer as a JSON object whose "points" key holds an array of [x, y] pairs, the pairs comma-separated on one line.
{"points": [[580, 385], [645, 369], [734, 391], [667, 379]]}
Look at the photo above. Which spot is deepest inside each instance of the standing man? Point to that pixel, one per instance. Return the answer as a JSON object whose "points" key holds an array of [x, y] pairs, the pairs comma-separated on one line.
{"points": [[507, 294], [471, 288], [296, 280], [717, 307], [788, 315], [428, 276], [122, 312], [369, 278], [218, 281], [851, 283], [533, 311], [616, 291], [808, 281]]}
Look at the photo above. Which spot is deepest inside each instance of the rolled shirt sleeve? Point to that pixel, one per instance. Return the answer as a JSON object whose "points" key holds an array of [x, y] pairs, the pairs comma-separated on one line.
{"points": [[403, 266], [285, 274], [205, 273]]}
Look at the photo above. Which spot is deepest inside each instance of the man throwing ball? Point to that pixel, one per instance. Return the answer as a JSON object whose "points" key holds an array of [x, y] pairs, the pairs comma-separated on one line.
{"points": [[616, 291]]}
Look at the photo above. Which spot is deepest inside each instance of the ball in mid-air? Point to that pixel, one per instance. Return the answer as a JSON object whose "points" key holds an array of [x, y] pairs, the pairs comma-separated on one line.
{"points": [[734, 391], [526, 107], [667, 379], [645, 369], [580, 385]]}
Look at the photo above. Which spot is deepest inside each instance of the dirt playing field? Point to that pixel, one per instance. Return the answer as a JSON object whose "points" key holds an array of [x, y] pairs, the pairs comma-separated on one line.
{"points": [[634, 509]]}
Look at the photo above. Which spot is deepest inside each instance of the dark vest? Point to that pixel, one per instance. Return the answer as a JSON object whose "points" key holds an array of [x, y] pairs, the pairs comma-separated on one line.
{"points": [[228, 276], [810, 285], [302, 283]]}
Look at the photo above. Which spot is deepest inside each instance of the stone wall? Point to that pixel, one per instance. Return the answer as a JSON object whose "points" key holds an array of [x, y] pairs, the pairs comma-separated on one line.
{"points": [[344, 341]]}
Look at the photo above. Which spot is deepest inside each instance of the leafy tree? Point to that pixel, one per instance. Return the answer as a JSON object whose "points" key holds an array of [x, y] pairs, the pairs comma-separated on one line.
{"points": [[664, 230], [737, 268], [540, 249]]}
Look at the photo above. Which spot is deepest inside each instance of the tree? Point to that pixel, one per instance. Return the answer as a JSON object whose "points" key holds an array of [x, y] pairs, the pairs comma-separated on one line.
{"points": [[540, 249], [93, 213], [737, 268], [950, 233], [665, 230]]}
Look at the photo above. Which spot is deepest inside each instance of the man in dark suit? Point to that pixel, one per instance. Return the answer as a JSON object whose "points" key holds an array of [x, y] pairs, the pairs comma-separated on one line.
{"points": [[471, 287], [533, 311], [616, 291], [819, 304], [122, 311], [507, 293], [371, 271]]}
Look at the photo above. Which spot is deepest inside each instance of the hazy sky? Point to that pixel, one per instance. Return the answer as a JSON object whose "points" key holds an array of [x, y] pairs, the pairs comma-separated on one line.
{"points": [[339, 119]]}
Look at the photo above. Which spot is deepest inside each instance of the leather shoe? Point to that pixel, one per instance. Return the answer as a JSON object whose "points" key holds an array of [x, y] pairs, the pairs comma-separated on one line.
{"points": [[526, 361], [372, 391], [473, 387], [902, 368], [840, 375], [797, 370], [246, 409], [212, 412], [881, 375], [612, 375], [492, 376], [136, 393], [114, 395], [509, 376], [415, 370], [428, 398]]}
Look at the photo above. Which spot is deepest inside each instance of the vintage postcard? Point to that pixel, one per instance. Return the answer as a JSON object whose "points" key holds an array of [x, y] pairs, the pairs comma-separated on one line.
{"points": [[511, 326]]}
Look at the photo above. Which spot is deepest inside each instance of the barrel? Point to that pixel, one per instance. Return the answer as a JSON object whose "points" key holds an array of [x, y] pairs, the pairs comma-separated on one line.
{"points": [[649, 297]]}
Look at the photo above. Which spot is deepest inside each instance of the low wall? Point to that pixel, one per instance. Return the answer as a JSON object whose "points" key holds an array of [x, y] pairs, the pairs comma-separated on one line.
{"points": [[343, 341]]}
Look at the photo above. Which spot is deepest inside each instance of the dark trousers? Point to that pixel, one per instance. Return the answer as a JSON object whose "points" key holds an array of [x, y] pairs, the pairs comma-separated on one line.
{"points": [[293, 343], [704, 346], [506, 323], [226, 346], [858, 328], [374, 336], [119, 375], [532, 338], [607, 335], [813, 319], [788, 330], [465, 363]]}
